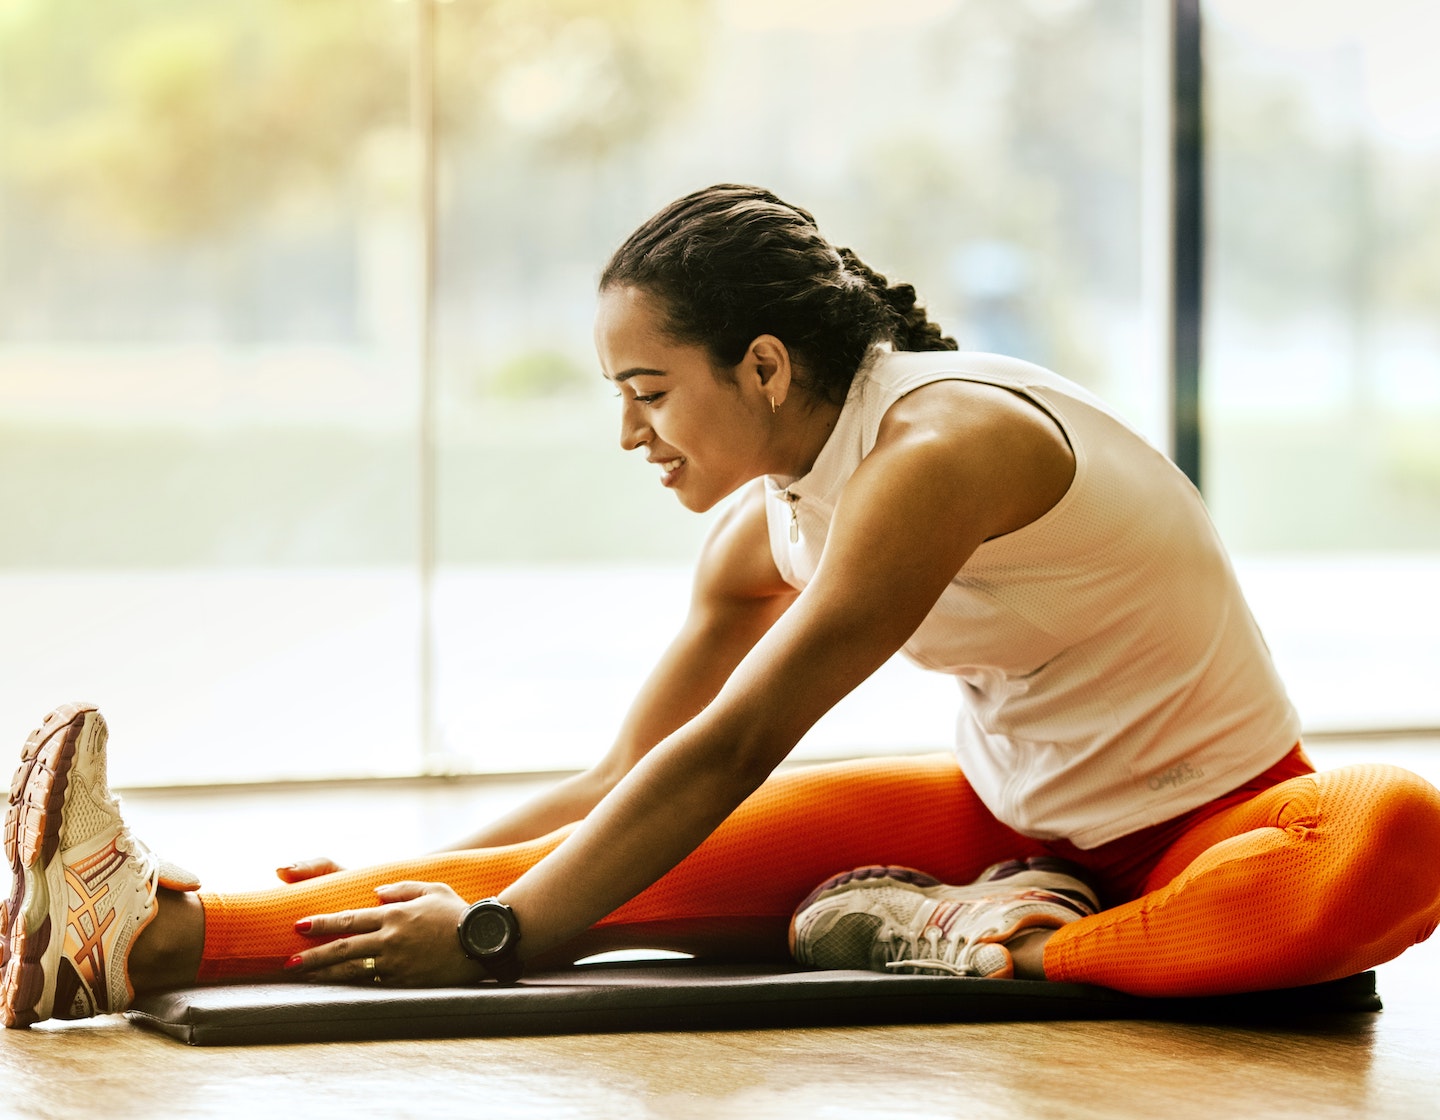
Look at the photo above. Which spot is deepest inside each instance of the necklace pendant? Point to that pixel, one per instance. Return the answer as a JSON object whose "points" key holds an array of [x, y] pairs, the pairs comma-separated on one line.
{"points": [[793, 501]]}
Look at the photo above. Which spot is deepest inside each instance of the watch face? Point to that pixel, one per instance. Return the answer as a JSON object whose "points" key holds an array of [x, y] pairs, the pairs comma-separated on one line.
{"points": [[490, 934], [487, 931]]}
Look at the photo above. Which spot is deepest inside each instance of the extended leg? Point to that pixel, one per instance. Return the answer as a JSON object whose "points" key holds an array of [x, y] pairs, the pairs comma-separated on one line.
{"points": [[734, 894]]}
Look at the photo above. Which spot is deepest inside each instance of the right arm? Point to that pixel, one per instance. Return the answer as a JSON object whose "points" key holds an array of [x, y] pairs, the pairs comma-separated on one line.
{"points": [[738, 594]]}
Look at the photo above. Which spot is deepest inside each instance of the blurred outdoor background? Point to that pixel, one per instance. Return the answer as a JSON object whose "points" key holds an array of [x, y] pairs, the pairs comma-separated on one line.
{"points": [[213, 308]]}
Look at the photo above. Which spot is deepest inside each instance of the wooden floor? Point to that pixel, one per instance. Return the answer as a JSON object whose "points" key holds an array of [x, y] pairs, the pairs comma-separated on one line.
{"points": [[1383, 1066]]}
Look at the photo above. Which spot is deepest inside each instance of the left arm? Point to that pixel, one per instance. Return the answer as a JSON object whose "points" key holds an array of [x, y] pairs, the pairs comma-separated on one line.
{"points": [[944, 477], [911, 515]]}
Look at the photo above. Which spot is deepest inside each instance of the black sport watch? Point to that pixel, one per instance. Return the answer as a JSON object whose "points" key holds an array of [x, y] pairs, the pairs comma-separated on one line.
{"points": [[490, 934]]}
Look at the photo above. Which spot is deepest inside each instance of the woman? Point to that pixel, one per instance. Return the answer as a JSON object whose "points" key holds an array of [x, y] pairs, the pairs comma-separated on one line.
{"points": [[1120, 710]]}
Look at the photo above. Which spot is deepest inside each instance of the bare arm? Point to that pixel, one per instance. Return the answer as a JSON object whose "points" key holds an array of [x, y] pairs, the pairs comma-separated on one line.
{"points": [[940, 482], [954, 466], [737, 596]]}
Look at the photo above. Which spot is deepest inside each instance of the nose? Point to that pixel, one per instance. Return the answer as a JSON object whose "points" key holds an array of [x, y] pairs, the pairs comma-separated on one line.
{"points": [[634, 431]]}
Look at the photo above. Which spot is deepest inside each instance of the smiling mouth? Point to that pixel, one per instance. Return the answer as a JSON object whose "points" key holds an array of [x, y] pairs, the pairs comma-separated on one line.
{"points": [[669, 468]]}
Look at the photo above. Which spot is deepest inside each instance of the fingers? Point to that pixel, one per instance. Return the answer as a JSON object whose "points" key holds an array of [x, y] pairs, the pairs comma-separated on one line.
{"points": [[301, 870], [406, 891], [411, 938], [347, 923], [350, 938], [349, 956], [325, 966]]}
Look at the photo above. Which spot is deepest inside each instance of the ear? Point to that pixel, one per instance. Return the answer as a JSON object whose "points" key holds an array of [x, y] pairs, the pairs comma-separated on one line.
{"points": [[766, 369]]}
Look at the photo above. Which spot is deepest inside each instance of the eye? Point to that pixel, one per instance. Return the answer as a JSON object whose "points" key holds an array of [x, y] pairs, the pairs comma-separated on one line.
{"points": [[648, 398]]}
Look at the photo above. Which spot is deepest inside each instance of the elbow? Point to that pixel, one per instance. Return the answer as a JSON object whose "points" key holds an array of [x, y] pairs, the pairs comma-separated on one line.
{"points": [[750, 755], [604, 776]]}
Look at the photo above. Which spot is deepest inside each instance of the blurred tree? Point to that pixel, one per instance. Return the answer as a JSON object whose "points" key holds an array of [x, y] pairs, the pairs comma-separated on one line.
{"points": [[1409, 231], [165, 119], [574, 79], [539, 373], [1034, 195]]}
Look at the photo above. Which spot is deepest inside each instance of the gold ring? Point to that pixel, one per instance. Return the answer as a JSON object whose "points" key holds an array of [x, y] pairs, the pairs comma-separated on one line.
{"points": [[368, 964]]}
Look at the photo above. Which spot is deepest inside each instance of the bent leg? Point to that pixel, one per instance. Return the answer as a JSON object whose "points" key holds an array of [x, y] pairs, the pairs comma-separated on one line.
{"points": [[735, 893], [1316, 878]]}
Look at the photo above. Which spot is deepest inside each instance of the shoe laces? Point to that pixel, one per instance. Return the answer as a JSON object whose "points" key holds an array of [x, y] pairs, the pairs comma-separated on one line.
{"points": [[952, 955], [147, 864]]}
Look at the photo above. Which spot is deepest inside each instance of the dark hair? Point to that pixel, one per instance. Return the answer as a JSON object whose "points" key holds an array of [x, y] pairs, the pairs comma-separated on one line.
{"points": [[730, 263]]}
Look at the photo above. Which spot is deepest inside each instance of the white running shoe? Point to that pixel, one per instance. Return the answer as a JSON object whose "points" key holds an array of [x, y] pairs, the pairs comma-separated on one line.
{"points": [[84, 887], [900, 920]]}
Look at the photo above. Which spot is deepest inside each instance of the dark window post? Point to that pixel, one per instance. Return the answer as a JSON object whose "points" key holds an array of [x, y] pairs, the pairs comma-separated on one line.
{"points": [[1187, 155]]}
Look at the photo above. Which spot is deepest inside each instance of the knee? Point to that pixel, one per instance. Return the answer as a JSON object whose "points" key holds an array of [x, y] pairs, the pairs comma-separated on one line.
{"points": [[1397, 835], [1404, 812]]}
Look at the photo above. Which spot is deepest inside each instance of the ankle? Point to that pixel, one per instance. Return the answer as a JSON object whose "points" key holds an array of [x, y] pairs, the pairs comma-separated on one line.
{"points": [[167, 952], [1027, 951]]}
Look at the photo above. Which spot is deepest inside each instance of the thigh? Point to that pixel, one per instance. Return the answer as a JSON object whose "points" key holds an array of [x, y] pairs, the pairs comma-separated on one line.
{"points": [[809, 823], [1346, 817]]}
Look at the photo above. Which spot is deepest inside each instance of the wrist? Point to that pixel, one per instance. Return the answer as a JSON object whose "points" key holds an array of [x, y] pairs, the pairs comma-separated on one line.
{"points": [[489, 934]]}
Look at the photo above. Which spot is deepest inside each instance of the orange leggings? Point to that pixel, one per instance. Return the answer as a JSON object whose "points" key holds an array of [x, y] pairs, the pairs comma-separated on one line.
{"points": [[1293, 878]]}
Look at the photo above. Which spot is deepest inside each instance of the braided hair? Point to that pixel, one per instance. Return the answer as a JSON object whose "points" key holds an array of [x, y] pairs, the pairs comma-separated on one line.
{"points": [[730, 263]]}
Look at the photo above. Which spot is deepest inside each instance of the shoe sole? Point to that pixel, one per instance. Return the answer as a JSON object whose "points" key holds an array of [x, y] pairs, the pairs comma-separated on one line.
{"points": [[33, 821], [867, 876]]}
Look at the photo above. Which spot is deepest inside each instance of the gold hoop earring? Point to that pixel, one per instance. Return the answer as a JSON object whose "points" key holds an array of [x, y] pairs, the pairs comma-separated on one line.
{"points": [[773, 406]]}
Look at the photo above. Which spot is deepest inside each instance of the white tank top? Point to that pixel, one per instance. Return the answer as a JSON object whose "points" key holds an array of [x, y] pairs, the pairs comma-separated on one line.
{"points": [[1111, 674]]}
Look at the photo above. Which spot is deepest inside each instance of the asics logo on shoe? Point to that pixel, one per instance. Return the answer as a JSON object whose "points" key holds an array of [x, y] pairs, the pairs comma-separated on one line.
{"points": [[91, 914]]}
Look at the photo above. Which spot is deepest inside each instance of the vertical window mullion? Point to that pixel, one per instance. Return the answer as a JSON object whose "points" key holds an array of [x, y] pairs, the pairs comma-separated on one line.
{"points": [[423, 109], [1187, 155]]}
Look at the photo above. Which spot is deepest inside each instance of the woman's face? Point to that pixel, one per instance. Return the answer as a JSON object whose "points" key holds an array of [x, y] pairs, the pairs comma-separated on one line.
{"points": [[708, 435]]}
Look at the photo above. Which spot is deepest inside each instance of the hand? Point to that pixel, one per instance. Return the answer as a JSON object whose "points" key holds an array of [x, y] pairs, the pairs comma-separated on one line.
{"points": [[303, 869], [410, 936]]}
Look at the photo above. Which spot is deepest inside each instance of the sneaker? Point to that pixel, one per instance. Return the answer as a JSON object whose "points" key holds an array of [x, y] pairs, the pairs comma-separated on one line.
{"points": [[897, 919], [84, 887]]}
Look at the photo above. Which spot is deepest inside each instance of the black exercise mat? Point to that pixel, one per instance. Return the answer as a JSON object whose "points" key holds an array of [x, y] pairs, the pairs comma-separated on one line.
{"points": [[686, 996]]}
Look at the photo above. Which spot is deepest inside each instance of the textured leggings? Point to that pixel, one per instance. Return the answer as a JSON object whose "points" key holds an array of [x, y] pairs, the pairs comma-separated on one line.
{"points": [[1294, 878]]}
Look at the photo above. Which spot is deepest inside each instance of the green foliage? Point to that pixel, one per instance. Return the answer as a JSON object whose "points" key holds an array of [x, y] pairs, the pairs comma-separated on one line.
{"points": [[577, 78], [538, 373], [185, 118], [1413, 456], [1308, 206], [165, 119]]}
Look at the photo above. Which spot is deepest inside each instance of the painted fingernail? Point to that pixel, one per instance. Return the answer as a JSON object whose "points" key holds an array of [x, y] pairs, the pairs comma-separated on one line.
{"points": [[302, 926], [294, 962]]}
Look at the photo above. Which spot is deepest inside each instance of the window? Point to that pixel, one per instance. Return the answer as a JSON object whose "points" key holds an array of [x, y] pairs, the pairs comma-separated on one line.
{"points": [[1322, 350], [987, 153], [208, 382], [213, 306]]}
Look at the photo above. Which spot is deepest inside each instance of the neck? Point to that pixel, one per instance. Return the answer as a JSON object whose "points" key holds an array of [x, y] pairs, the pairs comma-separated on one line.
{"points": [[801, 434]]}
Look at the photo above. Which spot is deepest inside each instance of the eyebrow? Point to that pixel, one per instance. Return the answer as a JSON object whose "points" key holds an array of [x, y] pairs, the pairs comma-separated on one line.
{"points": [[639, 372]]}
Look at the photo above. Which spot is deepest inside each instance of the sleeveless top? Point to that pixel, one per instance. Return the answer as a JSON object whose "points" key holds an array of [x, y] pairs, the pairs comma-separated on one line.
{"points": [[1111, 674]]}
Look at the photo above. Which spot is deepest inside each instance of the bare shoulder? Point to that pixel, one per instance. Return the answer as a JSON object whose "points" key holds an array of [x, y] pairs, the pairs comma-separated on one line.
{"points": [[1001, 448], [971, 411], [736, 563]]}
